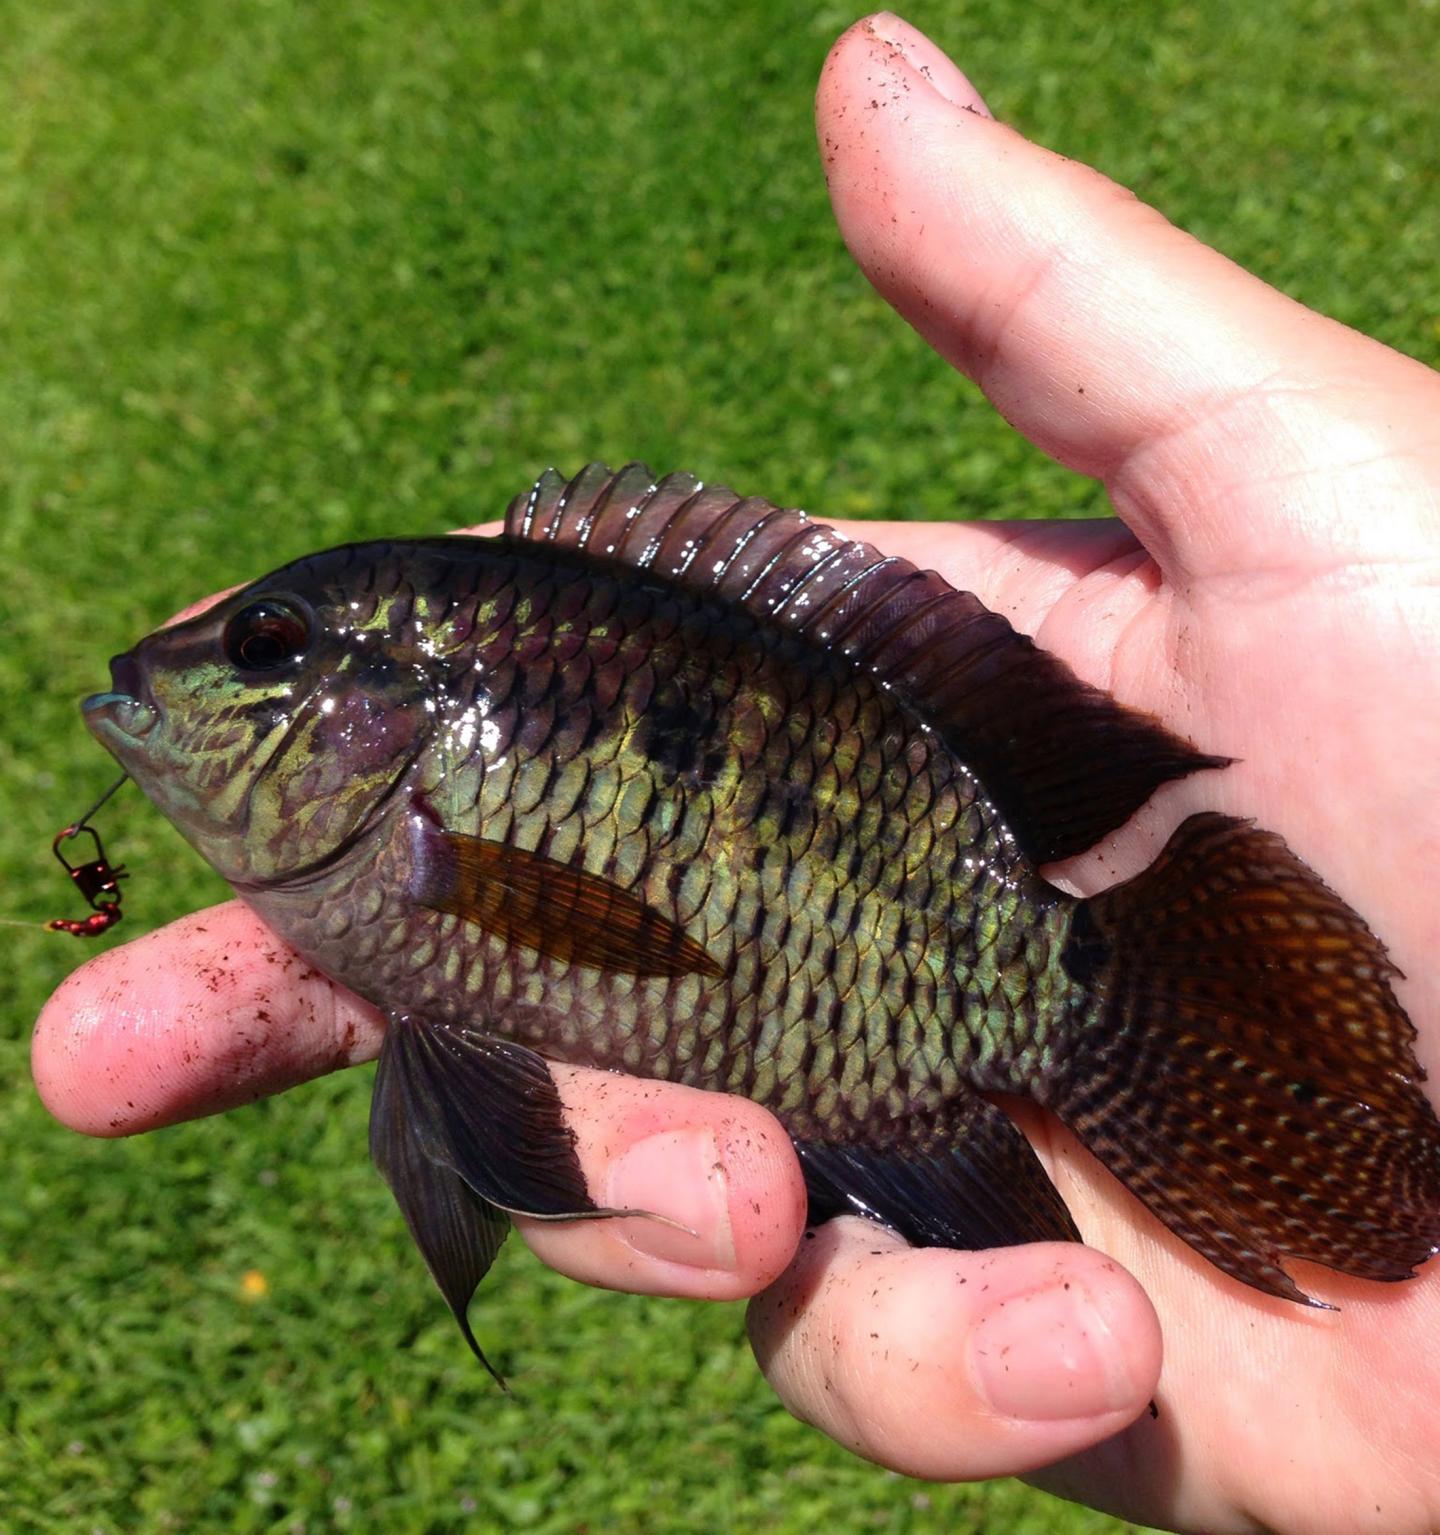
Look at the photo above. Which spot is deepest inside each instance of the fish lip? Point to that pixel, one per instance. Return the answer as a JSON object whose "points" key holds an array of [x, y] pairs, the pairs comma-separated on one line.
{"points": [[121, 710], [119, 714], [126, 678]]}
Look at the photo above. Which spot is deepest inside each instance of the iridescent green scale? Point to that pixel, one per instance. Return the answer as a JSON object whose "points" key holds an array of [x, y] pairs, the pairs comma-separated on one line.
{"points": [[678, 783]]}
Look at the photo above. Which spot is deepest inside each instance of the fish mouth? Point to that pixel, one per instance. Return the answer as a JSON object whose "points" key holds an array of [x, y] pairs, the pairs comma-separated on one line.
{"points": [[125, 674], [119, 712]]}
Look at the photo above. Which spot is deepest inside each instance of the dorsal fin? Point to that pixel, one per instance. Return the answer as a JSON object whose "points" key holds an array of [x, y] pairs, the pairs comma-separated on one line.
{"points": [[1064, 762]]}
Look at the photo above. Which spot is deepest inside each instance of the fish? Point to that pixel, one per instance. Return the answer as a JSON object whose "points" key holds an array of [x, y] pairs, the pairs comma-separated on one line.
{"points": [[675, 782]]}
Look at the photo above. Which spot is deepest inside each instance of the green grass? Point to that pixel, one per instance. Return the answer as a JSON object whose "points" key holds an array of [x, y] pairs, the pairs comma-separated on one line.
{"points": [[275, 275]]}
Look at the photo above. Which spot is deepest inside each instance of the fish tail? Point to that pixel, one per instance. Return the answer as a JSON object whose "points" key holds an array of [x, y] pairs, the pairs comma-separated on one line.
{"points": [[1244, 1067]]}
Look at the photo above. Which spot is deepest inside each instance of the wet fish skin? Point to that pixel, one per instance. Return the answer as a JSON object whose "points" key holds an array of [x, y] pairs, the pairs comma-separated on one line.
{"points": [[826, 831], [671, 782]]}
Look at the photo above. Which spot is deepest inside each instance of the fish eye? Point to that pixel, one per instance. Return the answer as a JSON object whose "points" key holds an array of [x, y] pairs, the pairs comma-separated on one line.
{"points": [[266, 634]]}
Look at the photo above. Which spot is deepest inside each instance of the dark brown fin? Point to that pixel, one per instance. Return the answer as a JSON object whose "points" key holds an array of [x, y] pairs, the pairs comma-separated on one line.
{"points": [[468, 1129], [457, 1232], [1247, 1070], [965, 1177], [559, 909], [1065, 763]]}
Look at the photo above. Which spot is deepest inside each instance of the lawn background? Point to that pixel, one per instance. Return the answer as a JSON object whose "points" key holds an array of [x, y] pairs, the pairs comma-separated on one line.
{"points": [[276, 275]]}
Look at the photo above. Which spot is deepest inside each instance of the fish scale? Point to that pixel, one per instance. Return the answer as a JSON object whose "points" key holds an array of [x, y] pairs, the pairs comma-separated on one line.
{"points": [[743, 919], [680, 783]]}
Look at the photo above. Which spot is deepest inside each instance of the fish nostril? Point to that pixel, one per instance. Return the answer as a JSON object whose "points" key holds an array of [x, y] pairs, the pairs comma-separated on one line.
{"points": [[125, 674]]}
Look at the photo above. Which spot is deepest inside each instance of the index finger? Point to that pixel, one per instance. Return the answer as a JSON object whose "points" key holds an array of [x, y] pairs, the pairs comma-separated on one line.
{"points": [[203, 1015], [214, 1011]]}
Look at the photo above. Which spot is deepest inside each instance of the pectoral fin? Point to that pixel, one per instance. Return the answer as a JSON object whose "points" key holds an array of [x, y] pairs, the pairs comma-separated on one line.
{"points": [[964, 1177], [563, 911]]}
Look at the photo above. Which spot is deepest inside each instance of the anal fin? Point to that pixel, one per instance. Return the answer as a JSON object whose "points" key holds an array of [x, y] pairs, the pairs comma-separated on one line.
{"points": [[964, 1177]]}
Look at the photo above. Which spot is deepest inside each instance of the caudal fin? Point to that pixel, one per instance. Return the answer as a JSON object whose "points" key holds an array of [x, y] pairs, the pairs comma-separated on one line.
{"points": [[1245, 1068]]}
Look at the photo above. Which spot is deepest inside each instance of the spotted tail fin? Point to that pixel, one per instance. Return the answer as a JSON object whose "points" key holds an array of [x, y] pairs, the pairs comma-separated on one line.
{"points": [[1246, 1069]]}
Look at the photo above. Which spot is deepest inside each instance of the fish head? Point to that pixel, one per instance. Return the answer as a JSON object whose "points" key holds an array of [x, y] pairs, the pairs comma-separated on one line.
{"points": [[273, 728]]}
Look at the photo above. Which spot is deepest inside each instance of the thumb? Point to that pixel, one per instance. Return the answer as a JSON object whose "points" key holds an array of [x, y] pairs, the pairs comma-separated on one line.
{"points": [[1117, 343]]}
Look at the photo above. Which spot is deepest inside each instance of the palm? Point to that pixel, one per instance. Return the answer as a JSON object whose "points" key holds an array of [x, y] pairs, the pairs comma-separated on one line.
{"points": [[1307, 670]]}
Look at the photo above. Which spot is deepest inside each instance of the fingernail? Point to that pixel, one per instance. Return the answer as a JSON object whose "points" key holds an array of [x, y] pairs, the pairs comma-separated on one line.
{"points": [[1050, 1354], [927, 61], [678, 1175]]}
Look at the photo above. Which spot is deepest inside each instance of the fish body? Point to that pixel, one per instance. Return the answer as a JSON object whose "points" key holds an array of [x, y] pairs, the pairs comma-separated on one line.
{"points": [[679, 784], [876, 936]]}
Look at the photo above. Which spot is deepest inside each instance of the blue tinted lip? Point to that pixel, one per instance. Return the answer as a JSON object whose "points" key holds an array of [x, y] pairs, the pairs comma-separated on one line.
{"points": [[119, 715], [121, 710]]}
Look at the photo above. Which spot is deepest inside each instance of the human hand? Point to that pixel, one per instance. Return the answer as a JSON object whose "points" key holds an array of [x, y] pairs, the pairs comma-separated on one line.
{"points": [[1272, 596]]}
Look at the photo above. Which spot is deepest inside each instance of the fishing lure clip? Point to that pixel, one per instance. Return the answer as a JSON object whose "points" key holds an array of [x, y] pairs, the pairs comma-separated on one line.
{"points": [[98, 880]]}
